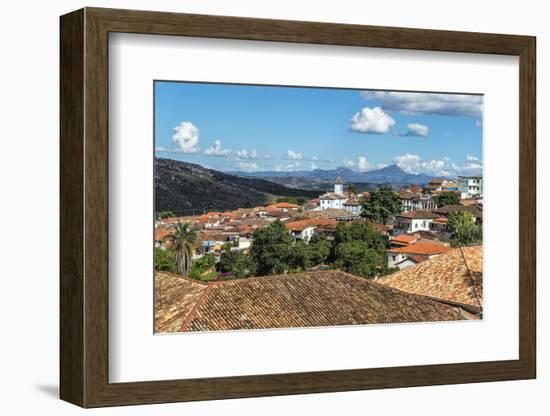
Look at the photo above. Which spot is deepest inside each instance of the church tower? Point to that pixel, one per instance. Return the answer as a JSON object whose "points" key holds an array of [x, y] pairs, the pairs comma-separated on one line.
{"points": [[339, 186]]}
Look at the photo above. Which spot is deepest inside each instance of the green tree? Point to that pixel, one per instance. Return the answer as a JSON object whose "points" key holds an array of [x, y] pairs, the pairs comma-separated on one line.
{"points": [[164, 260], [165, 214], [227, 246], [185, 241], [357, 258], [300, 200], [237, 263], [360, 231], [301, 257], [360, 249], [271, 249], [320, 249], [381, 205], [352, 189], [446, 198], [463, 229], [202, 268]]}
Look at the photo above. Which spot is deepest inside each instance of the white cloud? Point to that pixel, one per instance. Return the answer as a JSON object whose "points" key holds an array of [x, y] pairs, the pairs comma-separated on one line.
{"points": [[371, 120], [313, 166], [411, 163], [186, 135], [293, 166], [292, 155], [471, 158], [428, 103], [217, 150], [349, 163], [245, 154], [363, 164], [247, 166], [417, 129]]}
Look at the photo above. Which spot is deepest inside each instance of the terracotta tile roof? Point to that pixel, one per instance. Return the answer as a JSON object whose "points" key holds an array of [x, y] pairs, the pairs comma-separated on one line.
{"points": [[455, 277], [404, 238], [424, 248], [281, 205], [311, 222], [162, 233], [321, 298], [175, 297], [418, 215], [409, 194], [381, 228], [468, 201], [332, 196], [417, 258]]}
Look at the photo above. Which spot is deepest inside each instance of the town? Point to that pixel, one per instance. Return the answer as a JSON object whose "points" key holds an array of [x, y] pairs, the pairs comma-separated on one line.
{"points": [[421, 240]]}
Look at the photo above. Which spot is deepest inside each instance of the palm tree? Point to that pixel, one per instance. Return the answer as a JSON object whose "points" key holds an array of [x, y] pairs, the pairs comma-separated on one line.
{"points": [[185, 240]]}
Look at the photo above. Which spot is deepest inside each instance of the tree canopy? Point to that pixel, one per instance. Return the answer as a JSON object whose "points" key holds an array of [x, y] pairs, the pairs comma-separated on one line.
{"points": [[237, 263], [164, 260], [359, 249], [271, 249], [305, 255], [381, 205], [464, 230], [357, 258], [300, 200], [446, 198]]}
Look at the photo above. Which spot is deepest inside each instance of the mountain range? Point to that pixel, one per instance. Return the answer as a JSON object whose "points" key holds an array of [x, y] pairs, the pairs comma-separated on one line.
{"points": [[391, 174]]}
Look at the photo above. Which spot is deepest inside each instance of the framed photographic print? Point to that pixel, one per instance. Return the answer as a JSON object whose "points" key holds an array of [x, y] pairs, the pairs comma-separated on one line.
{"points": [[257, 207]]}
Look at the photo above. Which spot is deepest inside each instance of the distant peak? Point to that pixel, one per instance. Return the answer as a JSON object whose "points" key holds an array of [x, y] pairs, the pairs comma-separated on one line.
{"points": [[393, 168]]}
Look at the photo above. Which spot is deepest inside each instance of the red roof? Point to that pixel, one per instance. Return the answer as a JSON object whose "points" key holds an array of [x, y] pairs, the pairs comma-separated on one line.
{"points": [[312, 222], [162, 233], [421, 248], [407, 239], [282, 205], [418, 215]]}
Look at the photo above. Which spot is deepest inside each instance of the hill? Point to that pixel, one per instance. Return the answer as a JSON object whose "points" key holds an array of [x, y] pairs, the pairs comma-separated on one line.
{"points": [[186, 188], [391, 174]]}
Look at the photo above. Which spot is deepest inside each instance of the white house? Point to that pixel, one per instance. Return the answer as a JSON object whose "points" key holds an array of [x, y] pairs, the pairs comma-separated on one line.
{"points": [[333, 200], [416, 202], [353, 206], [303, 229], [415, 253], [410, 222], [470, 186]]}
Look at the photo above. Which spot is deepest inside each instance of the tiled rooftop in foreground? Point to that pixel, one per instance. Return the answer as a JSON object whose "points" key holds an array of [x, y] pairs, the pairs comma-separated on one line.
{"points": [[309, 299], [455, 277]]}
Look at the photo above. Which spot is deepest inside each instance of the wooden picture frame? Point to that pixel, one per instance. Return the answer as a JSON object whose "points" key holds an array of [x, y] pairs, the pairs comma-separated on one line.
{"points": [[84, 207]]}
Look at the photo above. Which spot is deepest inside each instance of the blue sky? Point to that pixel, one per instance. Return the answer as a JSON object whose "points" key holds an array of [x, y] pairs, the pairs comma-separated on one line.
{"points": [[239, 127]]}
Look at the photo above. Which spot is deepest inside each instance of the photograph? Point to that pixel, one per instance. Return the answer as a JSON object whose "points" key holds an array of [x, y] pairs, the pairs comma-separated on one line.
{"points": [[281, 207]]}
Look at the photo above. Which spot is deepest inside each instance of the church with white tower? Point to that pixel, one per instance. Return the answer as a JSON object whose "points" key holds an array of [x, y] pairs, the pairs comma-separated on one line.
{"points": [[334, 199]]}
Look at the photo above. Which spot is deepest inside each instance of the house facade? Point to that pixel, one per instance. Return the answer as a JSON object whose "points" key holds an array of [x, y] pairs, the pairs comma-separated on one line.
{"points": [[333, 200], [410, 222], [411, 254], [470, 186], [416, 202]]}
